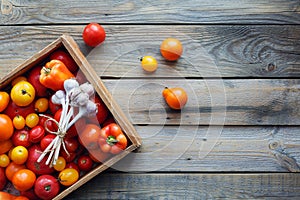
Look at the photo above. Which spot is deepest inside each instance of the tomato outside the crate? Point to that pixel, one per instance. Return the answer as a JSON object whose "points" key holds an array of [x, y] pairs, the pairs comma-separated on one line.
{"points": [[171, 49], [93, 34], [176, 97]]}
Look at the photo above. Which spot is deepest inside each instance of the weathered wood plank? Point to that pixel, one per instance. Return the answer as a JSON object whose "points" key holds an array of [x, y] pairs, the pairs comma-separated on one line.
{"points": [[209, 51], [134, 11], [214, 149], [190, 186], [211, 101]]}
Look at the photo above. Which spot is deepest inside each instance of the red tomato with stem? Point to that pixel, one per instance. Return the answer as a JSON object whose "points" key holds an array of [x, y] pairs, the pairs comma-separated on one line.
{"points": [[93, 34], [36, 134], [85, 163], [46, 187], [66, 58], [21, 138]]}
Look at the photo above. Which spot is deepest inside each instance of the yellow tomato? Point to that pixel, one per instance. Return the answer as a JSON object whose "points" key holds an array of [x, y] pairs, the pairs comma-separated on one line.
{"points": [[23, 93], [41, 105], [149, 63], [4, 100], [32, 120], [19, 122], [60, 164], [19, 155], [4, 160], [68, 176]]}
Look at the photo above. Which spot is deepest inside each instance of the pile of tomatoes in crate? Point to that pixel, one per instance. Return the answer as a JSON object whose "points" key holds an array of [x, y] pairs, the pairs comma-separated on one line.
{"points": [[30, 120]]}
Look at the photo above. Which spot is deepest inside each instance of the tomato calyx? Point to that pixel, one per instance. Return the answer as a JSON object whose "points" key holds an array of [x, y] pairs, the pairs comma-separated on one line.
{"points": [[111, 140]]}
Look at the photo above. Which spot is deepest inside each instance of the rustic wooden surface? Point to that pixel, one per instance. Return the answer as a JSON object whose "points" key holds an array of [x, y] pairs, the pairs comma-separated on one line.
{"points": [[238, 136]]}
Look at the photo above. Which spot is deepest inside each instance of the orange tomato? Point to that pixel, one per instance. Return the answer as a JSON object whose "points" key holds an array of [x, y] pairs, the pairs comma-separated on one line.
{"points": [[4, 100], [68, 176], [32, 120], [19, 155], [19, 122], [176, 98], [6, 196], [60, 164], [12, 168], [41, 105], [171, 49], [6, 127], [23, 179], [89, 136], [4, 160], [5, 146]]}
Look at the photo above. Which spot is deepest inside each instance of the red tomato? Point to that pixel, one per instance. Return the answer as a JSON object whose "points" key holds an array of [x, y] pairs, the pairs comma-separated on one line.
{"points": [[12, 110], [66, 59], [85, 163], [89, 136], [93, 34], [30, 194], [46, 141], [34, 79], [3, 179], [68, 157], [71, 144], [21, 138], [46, 187], [53, 107], [36, 134], [47, 124]]}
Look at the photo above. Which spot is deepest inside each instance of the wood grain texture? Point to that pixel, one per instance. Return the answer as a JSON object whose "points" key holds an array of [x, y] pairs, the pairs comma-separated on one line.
{"points": [[134, 11], [191, 186], [209, 51], [211, 101], [214, 149]]}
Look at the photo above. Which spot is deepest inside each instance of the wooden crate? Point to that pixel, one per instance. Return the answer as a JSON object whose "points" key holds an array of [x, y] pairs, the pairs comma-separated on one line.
{"points": [[67, 42]]}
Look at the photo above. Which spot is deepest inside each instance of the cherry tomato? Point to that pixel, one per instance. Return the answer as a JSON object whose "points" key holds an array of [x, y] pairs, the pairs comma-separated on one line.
{"points": [[41, 105], [66, 59], [12, 168], [23, 93], [4, 100], [68, 157], [21, 137], [102, 113], [46, 141], [19, 122], [93, 34], [46, 187], [85, 163], [71, 144], [12, 110], [89, 136], [5, 146], [171, 49], [36, 134], [19, 155], [149, 63], [34, 79], [68, 176], [32, 120], [53, 107], [23, 179], [6, 127], [176, 98], [4, 160], [47, 124], [60, 164]]}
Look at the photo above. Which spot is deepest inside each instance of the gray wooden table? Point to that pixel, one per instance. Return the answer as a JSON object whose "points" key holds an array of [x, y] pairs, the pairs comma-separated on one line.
{"points": [[238, 136]]}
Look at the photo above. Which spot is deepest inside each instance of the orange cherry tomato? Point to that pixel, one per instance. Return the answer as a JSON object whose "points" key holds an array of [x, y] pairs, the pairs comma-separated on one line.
{"points": [[41, 105], [23, 179], [22, 93], [149, 63], [4, 160], [32, 120], [171, 49], [6, 127], [5, 146], [68, 176], [19, 155], [60, 164], [12, 168], [176, 98], [4, 100], [19, 122]]}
